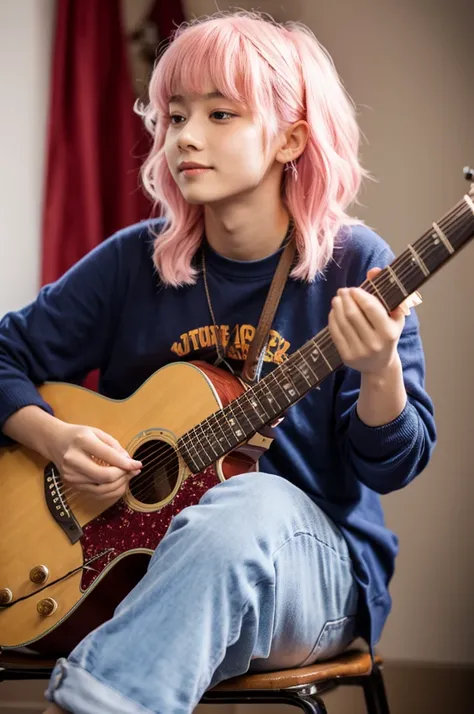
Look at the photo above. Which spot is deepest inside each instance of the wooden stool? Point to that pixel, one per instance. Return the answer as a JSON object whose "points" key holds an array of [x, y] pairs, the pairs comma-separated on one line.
{"points": [[300, 688]]}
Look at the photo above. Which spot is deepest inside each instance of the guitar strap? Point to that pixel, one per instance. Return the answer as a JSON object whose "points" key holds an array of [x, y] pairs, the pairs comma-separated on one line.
{"points": [[252, 365]]}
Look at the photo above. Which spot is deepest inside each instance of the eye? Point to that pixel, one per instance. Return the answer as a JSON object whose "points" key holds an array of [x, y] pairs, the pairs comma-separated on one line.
{"points": [[219, 115], [225, 115], [172, 117]]}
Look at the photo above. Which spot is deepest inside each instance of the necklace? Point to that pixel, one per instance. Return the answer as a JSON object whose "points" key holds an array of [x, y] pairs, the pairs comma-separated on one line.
{"points": [[219, 346]]}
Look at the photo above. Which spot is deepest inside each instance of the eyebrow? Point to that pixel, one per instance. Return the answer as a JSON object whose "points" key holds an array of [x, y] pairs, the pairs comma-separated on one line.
{"points": [[209, 95]]}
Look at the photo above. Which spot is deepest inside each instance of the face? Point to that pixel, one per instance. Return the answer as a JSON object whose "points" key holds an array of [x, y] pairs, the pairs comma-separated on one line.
{"points": [[221, 136]]}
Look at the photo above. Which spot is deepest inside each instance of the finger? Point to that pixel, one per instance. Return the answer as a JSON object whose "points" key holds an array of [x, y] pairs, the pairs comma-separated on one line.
{"points": [[110, 440], [103, 491], [345, 324], [371, 274], [357, 320], [338, 336], [399, 315], [77, 479], [98, 448], [82, 465], [373, 310]]}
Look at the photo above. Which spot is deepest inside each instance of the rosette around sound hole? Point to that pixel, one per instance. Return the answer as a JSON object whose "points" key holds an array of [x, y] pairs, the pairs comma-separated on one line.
{"points": [[159, 474]]}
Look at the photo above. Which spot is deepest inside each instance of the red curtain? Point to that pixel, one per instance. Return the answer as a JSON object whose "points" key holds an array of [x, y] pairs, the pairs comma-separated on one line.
{"points": [[96, 142]]}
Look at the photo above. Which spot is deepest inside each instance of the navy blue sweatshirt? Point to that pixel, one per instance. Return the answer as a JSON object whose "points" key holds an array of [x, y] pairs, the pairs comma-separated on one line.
{"points": [[111, 312]]}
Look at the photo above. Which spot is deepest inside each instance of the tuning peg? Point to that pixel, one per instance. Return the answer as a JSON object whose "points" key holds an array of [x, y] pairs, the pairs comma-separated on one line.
{"points": [[468, 173]]}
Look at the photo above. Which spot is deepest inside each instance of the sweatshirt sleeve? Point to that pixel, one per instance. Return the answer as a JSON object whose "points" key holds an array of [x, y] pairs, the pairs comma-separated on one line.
{"points": [[62, 335], [386, 458]]}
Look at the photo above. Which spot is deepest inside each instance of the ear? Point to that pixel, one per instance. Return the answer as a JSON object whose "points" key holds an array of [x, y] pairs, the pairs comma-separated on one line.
{"points": [[293, 142]]}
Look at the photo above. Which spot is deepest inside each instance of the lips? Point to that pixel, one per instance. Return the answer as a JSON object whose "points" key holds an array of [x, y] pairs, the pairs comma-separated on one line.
{"points": [[191, 165]]}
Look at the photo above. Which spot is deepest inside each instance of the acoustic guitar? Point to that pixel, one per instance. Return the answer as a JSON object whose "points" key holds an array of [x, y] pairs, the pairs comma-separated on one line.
{"points": [[59, 548]]}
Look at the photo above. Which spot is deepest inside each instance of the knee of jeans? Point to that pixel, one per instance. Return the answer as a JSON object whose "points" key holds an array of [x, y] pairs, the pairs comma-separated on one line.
{"points": [[234, 519], [255, 495]]}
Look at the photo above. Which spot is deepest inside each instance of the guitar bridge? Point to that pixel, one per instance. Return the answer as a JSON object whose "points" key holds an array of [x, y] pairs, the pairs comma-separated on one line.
{"points": [[58, 505]]}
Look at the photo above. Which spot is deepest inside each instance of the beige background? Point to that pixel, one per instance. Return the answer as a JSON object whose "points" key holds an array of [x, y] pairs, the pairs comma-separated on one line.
{"points": [[408, 65]]}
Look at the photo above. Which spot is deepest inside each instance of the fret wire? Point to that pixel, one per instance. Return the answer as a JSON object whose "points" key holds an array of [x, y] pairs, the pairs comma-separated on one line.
{"points": [[274, 377], [216, 417], [300, 380], [425, 242], [308, 381], [398, 282], [198, 454], [443, 238], [207, 425], [289, 376], [271, 399], [239, 425], [254, 392], [241, 407], [309, 365], [454, 227], [469, 202], [194, 433], [437, 243], [417, 258], [197, 442], [374, 285], [322, 354]]}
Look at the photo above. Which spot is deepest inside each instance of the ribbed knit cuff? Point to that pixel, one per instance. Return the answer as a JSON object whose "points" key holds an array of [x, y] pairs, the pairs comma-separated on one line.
{"points": [[380, 442]]}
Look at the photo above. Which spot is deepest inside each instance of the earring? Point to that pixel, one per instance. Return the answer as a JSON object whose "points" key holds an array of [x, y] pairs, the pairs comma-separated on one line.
{"points": [[291, 166]]}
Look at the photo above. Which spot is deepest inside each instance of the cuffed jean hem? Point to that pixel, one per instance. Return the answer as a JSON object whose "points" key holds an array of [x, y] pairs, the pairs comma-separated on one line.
{"points": [[75, 689]]}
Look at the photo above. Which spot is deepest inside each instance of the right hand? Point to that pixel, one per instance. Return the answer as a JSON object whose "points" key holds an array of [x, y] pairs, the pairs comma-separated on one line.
{"points": [[73, 452]]}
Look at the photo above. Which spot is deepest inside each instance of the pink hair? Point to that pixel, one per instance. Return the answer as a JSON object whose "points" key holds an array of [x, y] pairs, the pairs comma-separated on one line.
{"points": [[282, 74]]}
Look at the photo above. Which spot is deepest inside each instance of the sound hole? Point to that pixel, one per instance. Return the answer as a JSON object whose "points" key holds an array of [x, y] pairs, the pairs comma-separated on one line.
{"points": [[159, 473]]}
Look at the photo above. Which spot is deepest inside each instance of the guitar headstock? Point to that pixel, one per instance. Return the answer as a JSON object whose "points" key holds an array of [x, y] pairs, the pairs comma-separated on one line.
{"points": [[469, 176]]}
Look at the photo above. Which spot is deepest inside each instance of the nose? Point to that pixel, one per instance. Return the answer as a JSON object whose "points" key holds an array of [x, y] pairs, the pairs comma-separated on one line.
{"points": [[191, 135]]}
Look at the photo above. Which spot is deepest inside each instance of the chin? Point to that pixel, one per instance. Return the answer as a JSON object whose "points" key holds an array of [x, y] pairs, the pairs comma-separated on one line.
{"points": [[203, 198]]}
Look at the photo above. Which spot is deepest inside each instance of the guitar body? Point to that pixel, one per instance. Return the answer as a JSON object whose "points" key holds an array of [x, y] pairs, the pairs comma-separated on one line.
{"points": [[82, 541]]}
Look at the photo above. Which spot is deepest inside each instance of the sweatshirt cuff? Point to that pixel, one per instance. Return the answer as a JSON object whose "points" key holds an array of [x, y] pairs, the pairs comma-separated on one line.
{"points": [[15, 396], [380, 442]]}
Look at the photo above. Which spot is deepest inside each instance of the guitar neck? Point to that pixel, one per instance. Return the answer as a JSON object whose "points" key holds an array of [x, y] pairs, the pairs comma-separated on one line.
{"points": [[306, 368]]}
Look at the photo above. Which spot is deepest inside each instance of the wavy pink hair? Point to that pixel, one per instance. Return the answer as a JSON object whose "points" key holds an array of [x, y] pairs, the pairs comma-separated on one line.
{"points": [[282, 74]]}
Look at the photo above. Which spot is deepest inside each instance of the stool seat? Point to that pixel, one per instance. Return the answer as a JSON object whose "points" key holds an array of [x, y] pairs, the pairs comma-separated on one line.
{"points": [[351, 664], [301, 687]]}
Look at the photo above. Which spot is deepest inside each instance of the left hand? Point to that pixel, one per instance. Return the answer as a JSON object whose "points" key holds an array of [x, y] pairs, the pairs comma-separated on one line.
{"points": [[365, 335]]}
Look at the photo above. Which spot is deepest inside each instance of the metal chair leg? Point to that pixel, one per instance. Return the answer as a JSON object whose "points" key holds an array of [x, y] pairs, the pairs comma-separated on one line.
{"points": [[301, 701], [316, 706], [374, 693]]}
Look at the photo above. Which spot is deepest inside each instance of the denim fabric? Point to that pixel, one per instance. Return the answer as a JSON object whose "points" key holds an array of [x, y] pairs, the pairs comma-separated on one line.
{"points": [[254, 577]]}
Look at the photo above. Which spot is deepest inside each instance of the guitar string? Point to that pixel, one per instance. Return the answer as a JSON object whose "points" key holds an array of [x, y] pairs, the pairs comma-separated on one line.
{"points": [[158, 453], [251, 411], [388, 280]]}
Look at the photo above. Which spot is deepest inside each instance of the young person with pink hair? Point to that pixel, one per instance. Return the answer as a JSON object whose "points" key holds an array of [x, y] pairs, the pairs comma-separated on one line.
{"points": [[255, 143]]}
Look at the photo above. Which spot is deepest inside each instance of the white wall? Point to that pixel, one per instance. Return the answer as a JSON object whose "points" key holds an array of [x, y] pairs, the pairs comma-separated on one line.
{"points": [[25, 49]]}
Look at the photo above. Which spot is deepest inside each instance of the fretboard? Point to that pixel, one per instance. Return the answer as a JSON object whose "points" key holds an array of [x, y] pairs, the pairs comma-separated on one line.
{"points": [[306, 368]]}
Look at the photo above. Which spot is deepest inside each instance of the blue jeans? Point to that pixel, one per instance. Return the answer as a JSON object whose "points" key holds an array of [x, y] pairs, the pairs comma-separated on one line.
{"points": [[254, 577]]}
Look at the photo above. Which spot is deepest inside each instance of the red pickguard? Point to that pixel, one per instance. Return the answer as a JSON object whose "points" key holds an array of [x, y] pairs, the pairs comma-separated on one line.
{"points": [[120, 529]]}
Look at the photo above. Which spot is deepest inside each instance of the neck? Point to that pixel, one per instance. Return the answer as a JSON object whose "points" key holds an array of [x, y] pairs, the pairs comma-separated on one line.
{"points": [[246, 229]]}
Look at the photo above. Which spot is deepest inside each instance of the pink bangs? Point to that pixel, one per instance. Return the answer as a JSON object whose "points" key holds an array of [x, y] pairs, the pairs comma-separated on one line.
{"points": [[282, 75]]}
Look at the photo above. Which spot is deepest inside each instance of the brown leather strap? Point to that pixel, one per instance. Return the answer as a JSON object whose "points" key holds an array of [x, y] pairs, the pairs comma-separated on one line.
{"points": [[250, 368]]}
